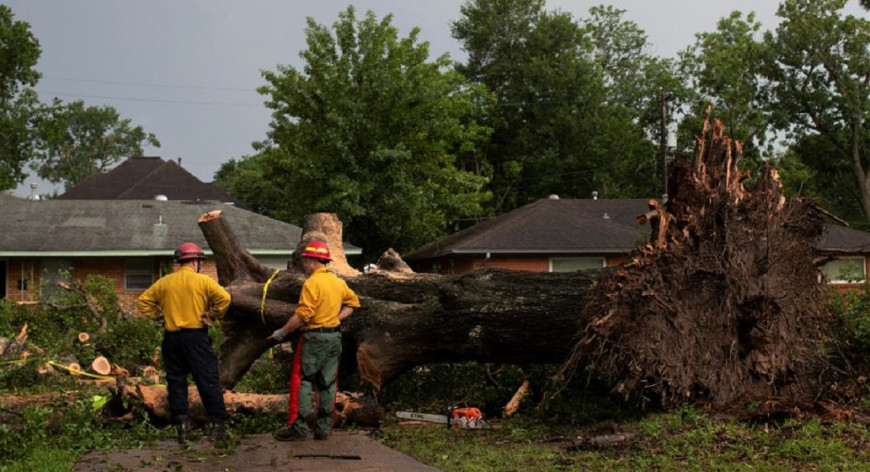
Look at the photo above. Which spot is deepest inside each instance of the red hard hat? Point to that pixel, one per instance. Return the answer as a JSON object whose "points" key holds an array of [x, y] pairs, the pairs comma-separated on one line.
{"points": [[317, 250], [188, 251]]}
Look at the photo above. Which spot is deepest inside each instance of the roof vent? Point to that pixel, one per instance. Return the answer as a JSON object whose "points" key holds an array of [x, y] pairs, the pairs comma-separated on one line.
{"points": [[553, 196], [33, 194], [161, 198], [606, 216], [595, 194]]}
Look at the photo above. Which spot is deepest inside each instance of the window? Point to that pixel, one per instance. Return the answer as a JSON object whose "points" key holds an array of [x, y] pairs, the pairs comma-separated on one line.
{"points": [[54, 271], [847, 270], [572, 264], [138, 274]]}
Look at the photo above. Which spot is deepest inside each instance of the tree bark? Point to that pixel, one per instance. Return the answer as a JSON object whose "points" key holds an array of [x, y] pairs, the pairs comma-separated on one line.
{"points": [[406, 319]]}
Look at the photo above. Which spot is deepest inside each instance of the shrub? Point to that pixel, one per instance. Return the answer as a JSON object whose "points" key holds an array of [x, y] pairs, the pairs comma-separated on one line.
{"points": [[850, 327]]}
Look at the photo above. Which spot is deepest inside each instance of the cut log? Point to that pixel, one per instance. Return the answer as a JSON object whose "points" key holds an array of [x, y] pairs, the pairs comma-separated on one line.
{"points": [[351, 408], [21, 337], [101, 366], [514, 404], [69, 364], [83, 337]]}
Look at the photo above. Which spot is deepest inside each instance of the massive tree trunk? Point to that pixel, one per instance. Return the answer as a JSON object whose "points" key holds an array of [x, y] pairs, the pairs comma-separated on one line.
{"points": [[406, 319]]}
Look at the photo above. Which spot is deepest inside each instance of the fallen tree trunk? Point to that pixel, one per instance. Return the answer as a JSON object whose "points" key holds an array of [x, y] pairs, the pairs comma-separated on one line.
{"points": [[406, 319]]}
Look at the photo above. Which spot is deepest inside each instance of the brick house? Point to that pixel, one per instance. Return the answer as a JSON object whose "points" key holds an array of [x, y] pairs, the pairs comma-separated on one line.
{"points": [[129, 241], [559, 235]]}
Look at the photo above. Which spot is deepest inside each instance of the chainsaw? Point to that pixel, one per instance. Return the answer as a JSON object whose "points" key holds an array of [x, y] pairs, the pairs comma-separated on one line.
{"points": [[458, 418]]}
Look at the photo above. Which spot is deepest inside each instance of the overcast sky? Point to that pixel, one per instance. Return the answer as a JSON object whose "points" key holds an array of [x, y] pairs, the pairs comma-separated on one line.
{"points": [[187, 70]]}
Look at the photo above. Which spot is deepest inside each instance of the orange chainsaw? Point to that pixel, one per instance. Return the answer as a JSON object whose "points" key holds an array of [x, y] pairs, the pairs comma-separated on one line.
{"points": [[458, 418]]}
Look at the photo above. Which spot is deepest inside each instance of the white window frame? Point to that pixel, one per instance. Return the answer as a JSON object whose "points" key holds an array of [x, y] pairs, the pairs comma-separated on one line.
{"points": [[138, 272], [595, 262], [862, 262]]}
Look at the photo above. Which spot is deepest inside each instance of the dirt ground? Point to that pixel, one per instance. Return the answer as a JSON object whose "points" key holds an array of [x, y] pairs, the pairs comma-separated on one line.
{"points": [[344, 451]]}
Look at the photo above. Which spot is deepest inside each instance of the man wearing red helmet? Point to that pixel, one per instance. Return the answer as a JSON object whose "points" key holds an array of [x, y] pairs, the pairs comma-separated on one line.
{"points": [[325, 300], [185, 299]]}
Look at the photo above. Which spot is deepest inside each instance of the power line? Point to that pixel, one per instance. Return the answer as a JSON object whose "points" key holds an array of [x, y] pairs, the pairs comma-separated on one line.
{"points": [[142, 84], [152, 100]]}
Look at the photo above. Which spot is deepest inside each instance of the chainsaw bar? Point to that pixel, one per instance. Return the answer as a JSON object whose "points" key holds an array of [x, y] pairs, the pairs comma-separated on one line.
{"points": [[412, 415], [458, 422]]}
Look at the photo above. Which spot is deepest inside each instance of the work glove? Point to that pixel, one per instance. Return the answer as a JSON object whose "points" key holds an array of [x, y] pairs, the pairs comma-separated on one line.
{"points": [[278, 335]]}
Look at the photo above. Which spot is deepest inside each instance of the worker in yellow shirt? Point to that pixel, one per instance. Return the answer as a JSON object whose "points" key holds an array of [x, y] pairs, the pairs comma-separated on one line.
{"points": [[324, 302], [186, 300]]}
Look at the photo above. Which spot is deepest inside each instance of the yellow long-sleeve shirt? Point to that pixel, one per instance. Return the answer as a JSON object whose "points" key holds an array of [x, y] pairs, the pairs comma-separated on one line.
{"points": [[182, 297], [322, 297]]}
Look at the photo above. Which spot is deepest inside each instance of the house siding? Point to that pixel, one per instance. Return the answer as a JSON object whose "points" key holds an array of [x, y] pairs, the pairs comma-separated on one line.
{"points": [[110, 268], [27, 270], [462, 264]]}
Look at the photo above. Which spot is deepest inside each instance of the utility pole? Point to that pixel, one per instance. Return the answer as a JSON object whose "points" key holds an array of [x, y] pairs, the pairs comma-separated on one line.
{"points": [[663, 148]]}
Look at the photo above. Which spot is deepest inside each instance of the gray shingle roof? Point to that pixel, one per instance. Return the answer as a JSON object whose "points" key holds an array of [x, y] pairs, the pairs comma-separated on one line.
{"points": [[550, 226], [837, 238], [578, 226], [131, 227], [143, 178]]}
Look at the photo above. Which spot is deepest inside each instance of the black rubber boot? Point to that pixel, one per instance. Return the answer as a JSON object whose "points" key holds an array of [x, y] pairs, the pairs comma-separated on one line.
{"points": [[184, 427], [218, 430]]}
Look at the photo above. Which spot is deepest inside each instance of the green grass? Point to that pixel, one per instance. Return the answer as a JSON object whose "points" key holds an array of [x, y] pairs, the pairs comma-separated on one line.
{"points": [[44, 460], [664, 441]]}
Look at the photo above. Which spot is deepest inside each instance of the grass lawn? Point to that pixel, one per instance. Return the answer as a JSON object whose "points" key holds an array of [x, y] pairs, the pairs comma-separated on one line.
{"points": [[682, 440]]}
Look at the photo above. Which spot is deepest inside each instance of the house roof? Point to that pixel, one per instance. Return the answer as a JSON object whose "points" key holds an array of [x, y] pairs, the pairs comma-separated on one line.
{"points": [[581, 226], [837, 238], [143, 178], [65, 228], [572, 226]]}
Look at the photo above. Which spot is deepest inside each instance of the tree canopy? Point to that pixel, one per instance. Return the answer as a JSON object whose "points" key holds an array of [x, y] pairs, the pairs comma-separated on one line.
{"points": [[819, 70], [724, 69], [74, 141], [373, 130], [566, 119], [19, 53]]}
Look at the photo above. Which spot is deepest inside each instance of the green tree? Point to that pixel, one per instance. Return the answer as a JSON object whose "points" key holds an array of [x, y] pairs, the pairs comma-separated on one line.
{"points": [[724, 67], [557, 127], [19, 53], [636, 84], [374, 131], [74, 141], [820, 74], [248, 179]]}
